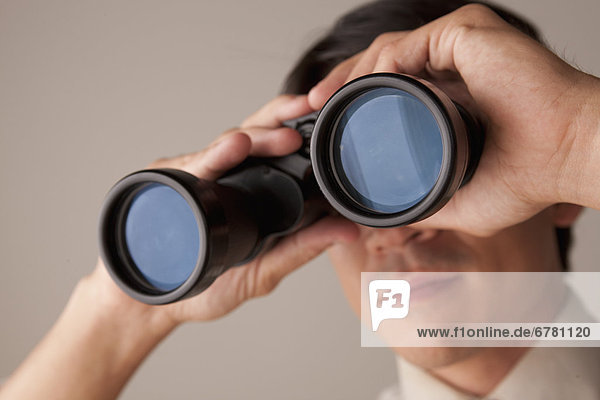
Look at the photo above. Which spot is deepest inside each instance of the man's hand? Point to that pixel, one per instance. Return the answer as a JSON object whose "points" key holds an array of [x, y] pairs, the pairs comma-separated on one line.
{"points": [[540, 114], [261, 135]]}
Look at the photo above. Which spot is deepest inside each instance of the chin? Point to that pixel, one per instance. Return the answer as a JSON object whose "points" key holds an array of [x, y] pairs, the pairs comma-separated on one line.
{"points": [[435, 357]]}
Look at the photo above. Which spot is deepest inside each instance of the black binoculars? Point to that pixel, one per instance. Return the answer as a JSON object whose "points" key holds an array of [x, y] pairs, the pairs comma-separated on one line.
{"points": [[386, 150]]}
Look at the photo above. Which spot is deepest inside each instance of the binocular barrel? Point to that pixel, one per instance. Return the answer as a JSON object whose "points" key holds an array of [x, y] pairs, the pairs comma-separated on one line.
{"points": [[166, 235], [386, 150]]}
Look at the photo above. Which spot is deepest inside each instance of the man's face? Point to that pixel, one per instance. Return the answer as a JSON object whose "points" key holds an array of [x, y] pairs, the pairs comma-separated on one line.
{"points": [[529, 246]]}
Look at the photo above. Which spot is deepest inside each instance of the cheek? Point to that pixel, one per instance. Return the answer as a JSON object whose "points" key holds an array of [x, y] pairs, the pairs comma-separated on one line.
{"points": [[483, 253], [348, 261], [348, 258]]}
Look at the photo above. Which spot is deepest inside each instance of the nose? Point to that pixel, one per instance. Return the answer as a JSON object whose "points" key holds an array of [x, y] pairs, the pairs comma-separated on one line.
{"points": [[384, 241]]}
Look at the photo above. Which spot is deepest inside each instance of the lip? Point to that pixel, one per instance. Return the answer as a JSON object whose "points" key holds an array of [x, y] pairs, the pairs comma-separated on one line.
{"points": [[426, 285]]}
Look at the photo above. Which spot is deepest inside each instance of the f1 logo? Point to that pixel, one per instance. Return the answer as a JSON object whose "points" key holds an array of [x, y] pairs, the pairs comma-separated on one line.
{"points": [[388, 299]]}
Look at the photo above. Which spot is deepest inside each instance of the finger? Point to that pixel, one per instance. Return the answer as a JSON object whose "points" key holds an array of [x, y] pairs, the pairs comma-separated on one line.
{"points": [[319, 94], [437, 43], [231, 149], [298, 249], [432, 43], [213, 161], [366, 64], [385, 62], [267, 142], [278, 110], [219, 158], [273, 142], [358, 65]]}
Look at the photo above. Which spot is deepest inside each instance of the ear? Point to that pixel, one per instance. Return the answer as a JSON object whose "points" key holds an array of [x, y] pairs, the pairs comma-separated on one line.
{"points": [[564, 214]]}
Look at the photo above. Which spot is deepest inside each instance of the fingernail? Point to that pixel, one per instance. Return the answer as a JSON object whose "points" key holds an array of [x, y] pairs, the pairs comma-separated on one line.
{"points": [[313, 97]]}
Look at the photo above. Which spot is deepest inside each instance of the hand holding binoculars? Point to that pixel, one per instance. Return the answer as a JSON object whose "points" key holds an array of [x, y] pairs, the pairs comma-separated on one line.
{"points": [[386, 150]]}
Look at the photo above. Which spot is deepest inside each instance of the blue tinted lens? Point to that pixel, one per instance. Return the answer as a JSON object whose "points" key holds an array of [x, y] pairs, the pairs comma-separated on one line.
{"points": [[162, 236], [389, 147]]}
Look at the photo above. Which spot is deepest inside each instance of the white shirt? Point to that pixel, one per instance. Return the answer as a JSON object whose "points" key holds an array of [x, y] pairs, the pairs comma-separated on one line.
{"points": [[543, 373]]}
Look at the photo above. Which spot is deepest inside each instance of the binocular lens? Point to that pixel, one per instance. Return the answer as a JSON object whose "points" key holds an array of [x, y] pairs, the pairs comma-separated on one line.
{"points": [[161, 236], [387, 150]]}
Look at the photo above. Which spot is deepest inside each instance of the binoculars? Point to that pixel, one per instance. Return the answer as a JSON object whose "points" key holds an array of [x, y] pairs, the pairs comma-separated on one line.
{"points": [[386, 150]]}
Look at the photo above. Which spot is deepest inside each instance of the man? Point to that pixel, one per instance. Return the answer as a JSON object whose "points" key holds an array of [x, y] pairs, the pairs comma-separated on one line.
{"points": [[531, 245], [539, 114]]}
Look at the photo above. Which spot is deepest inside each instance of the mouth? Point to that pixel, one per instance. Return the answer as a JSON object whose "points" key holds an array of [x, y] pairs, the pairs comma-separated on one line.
{"points": [[425, 285]]}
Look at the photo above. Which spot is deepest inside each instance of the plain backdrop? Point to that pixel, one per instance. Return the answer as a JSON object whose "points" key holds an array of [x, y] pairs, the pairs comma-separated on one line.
{"points": [[92, 90]]}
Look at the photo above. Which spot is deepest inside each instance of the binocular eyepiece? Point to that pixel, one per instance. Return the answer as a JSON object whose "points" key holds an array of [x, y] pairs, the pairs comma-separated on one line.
{"points": [[386, 150]]}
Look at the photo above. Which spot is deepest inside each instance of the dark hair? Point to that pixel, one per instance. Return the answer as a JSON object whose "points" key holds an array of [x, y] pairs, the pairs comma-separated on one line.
{"points": [[355, 31]]}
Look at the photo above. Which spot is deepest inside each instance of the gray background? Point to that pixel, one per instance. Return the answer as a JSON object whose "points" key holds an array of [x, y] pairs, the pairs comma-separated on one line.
{"points": [[92, 90]]}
